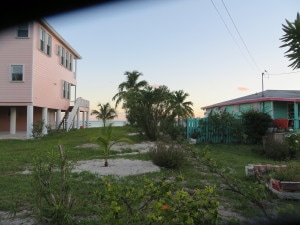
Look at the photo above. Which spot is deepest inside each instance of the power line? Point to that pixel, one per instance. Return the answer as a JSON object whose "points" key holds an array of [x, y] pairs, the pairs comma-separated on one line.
{"points": [[224, 23], [240, 36], [227, 28], [279, 74]]}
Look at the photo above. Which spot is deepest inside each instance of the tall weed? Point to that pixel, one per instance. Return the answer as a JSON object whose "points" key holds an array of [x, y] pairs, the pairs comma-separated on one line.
{"points": [[51, 180]]}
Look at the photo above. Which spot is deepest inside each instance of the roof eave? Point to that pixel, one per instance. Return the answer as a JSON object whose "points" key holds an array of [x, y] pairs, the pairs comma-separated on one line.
{"points": [[46, 24], [251, 101]]}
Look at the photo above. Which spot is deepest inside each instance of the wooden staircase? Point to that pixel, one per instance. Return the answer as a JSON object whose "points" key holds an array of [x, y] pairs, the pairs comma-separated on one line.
{"points": [[67, 121]]}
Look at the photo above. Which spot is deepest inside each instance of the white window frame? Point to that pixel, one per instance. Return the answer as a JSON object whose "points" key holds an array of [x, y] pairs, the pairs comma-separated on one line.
{"points": [[255, 106], [71, 62], [11, 70], [236, 108], [45, 42], [21, 28], [48, 47], [66, 58], [66, 86], [42, 39], [62, 56]]}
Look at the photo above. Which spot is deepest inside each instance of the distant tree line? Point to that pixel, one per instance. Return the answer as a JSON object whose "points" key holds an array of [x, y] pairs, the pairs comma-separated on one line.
{"points": [[152, 110]]}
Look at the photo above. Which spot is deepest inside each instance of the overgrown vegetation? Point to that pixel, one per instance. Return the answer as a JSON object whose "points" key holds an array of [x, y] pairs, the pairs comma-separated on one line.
{"points": [[256, 124], [52, 192], [37, 128], [171, 154], [279, 150], [157, 202], [224, 176], [224, 124], [152, 110]]}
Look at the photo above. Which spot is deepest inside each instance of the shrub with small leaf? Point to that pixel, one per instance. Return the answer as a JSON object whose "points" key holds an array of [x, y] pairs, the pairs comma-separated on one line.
{"points": [[37, 128], [51, 180], [168, 154], [292, 139], [276, 150], [158, 202]]}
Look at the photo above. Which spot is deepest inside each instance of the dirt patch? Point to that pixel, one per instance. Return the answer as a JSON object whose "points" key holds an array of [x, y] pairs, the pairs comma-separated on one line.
{"points": [[117, 167]]}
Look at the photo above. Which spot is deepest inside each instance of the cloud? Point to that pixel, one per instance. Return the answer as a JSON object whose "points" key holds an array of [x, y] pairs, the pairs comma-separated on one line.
{"points": [[155, 85], [243, 89]]}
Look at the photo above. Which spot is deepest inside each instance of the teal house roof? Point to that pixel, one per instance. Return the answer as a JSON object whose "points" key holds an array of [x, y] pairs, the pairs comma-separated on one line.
{"points": [[268, 95]]}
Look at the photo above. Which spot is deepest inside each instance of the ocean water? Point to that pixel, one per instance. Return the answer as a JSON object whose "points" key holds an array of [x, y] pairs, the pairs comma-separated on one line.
{"points": [[98, 123]]}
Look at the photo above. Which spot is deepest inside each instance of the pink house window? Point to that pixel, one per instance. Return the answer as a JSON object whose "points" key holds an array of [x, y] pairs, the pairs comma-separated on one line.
{"points": [[66, 58], [16, 73], [23, 30], [45, 42], [66, 90]]}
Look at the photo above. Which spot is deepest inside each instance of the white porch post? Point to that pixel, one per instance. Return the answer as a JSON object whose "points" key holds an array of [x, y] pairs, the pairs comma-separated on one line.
{"points": [[58, 117], [45, 119], [296, 116], [29, 121], [87, 120], [78, 119], [13, 119], [83, 119]]}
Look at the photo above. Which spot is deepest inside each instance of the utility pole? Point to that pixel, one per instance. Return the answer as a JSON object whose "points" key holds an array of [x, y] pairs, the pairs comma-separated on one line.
{"points": [[262, 84]]}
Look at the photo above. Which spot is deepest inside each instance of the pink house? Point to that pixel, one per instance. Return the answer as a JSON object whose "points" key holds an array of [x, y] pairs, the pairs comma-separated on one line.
{"points": [[38, 80]]}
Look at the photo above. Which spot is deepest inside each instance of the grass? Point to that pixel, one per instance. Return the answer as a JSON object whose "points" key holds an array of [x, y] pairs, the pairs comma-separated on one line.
{"points": [[17, 155]]}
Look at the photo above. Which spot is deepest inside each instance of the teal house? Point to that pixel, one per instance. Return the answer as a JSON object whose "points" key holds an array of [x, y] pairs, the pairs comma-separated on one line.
{"points": [[281, 105]]}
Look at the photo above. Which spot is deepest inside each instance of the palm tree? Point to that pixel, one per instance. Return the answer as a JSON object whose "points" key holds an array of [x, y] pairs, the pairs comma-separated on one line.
{"points": [[292, 40], [105, 113], [180, 107], [105, 140], [131, 84]]}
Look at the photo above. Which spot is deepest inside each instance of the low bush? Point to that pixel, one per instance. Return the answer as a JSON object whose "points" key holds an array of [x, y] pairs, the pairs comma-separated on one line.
{"points": [[292, 140], [289, 173], [37, 129], [275, 150], [256, 125], [158, 202], [170, 155], [52, 190]]}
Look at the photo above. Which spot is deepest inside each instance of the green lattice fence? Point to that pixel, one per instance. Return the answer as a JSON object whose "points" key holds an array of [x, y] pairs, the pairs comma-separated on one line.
{"points": [[206, 131]]}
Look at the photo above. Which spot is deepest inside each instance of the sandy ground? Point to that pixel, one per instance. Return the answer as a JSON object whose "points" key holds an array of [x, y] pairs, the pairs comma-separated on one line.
{"points": [[118, 167]]}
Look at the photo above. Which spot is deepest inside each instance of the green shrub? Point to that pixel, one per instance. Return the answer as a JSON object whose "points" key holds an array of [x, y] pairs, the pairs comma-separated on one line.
{"points": [[275, 150], [51, 180], [256, 125], [158, 202], [37, 128], [289, 173], [292, 140], [168, 154]]}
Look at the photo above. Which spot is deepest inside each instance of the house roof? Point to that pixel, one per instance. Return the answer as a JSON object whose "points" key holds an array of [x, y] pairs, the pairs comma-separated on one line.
{"points": [[57, 35], [268, 95]]}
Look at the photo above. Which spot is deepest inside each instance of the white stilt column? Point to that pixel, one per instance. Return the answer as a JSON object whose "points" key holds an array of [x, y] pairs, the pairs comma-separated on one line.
{"points": [[29, 121], [13, 120], [45, 119], [87, 120], [78, 119], [83, 120], [58, 117]]}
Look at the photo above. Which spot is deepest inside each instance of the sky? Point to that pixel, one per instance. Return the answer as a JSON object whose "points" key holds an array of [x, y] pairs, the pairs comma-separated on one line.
{"points": [[213, 50]]}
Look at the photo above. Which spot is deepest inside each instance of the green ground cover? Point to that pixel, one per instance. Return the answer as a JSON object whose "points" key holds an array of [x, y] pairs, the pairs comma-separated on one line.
{"points": [[17, 156]]}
